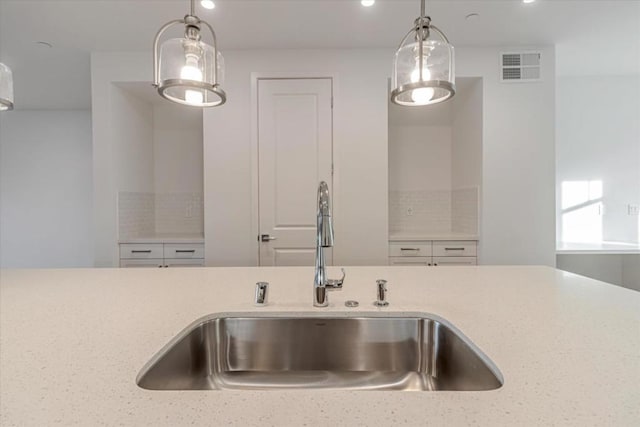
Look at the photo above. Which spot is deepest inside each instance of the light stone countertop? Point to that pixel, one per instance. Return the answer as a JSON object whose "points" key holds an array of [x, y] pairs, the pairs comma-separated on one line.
{"points": [[601, 248], [73, 341]]}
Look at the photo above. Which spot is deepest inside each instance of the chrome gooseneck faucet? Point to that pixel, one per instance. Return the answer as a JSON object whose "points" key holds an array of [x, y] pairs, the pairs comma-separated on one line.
{"points": [[324, 239]]}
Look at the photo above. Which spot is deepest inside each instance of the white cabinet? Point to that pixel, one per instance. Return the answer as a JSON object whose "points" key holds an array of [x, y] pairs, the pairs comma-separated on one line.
{"points": [[141, 263], [395, 260], [141, 255], [454, 260], [433, 252], [184, 262], [183, 251], [141, 251], [410, 249], [450, 248]]}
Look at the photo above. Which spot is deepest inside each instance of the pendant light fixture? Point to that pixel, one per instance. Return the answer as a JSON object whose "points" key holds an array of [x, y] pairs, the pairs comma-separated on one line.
{"points": [[6, 88], [188, 70], [423, 67]]}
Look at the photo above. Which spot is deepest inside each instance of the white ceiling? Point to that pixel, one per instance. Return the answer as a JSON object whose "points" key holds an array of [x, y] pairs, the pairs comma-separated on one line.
{"points": [[60, 77]]}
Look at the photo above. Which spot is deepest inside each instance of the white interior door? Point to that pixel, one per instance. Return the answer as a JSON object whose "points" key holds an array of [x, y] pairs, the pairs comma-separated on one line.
{"points": [[295, 138]]}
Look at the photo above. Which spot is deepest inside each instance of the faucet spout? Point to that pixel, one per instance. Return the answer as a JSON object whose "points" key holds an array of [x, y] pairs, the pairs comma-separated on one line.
{"points": [[325, 223], [324, 239]]}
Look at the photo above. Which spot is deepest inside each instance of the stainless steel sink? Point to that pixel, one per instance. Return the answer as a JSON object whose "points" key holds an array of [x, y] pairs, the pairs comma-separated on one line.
{"points": [[275, 352]]}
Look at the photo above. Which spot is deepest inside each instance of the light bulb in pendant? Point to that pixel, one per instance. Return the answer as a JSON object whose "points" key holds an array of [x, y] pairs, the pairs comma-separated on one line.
{"points": [[193, 97], [191, 71], [425, 94]]}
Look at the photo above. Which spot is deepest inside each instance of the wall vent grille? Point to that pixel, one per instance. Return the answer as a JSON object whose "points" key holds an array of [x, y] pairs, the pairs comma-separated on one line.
{"points": [[520, 66]]}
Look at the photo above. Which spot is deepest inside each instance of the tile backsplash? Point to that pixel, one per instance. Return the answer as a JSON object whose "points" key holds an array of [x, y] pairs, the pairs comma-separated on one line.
{"points": [[179, 213], [420, 211], [136, 214], [151, 214], [438, 211]]}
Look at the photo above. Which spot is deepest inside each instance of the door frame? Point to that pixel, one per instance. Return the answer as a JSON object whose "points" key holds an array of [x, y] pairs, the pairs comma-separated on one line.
{"points": [[255, 176]]}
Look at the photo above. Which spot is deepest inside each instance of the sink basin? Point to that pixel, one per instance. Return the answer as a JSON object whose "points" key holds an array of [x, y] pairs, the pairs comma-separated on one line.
{"points": [[248, 352]]}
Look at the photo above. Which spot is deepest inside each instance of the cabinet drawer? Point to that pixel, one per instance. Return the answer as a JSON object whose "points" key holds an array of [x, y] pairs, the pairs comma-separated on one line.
{"points": [[410, 249], [455, 249], [406, 260], [141, 251], [454, 260], [173, 263], [141, 263], [183, 250]]}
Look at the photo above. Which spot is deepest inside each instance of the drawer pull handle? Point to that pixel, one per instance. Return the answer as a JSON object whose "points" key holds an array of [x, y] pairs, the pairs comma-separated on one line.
{"points": [[148, 251], [454, 249], [410, 249], [185, 251]]}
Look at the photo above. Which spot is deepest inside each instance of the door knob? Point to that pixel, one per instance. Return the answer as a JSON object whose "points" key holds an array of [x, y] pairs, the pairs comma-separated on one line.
{"points": [[266, 238]]}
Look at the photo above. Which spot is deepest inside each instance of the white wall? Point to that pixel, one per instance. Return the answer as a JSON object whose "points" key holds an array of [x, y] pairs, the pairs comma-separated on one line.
{"points": [[45, 189], [168, 160], [598, 138], [106, 69], [466, 159], [178, 169], [360, 154], [177, 149], [429, 149], [518, 159], [518, 154], [132, 130], [419, 158]]}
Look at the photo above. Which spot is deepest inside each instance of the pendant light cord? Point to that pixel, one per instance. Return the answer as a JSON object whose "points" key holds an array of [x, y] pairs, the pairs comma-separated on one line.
{"points": [[421, 40], [193, 7]]}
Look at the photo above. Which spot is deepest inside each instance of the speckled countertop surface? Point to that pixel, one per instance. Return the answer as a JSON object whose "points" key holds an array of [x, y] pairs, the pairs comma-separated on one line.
{"points": [[602, 248], [73, 341]]}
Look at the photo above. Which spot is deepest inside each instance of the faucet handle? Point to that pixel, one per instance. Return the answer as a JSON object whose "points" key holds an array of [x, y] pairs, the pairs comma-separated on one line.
{"points": [[262, 292], [337, 284], [382, 294]]}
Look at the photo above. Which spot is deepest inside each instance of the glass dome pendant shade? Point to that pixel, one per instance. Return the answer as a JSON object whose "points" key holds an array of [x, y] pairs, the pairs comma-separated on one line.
{"points": [[6, 88], [424, 66], [187, 70]]}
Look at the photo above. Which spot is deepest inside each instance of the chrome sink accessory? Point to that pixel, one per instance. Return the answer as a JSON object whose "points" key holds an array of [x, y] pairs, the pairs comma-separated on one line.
{"points": [[324, 239], [262, 293], [382, 294], [281, 351]]}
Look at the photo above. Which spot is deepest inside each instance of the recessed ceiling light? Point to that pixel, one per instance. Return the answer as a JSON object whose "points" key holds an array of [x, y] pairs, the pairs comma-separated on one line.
{"points": [[208, 4], [528, 1], [367, 3]]}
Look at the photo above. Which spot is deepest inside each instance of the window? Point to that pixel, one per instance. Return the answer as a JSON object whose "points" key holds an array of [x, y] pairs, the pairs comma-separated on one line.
{"points": [[582, 211]]}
